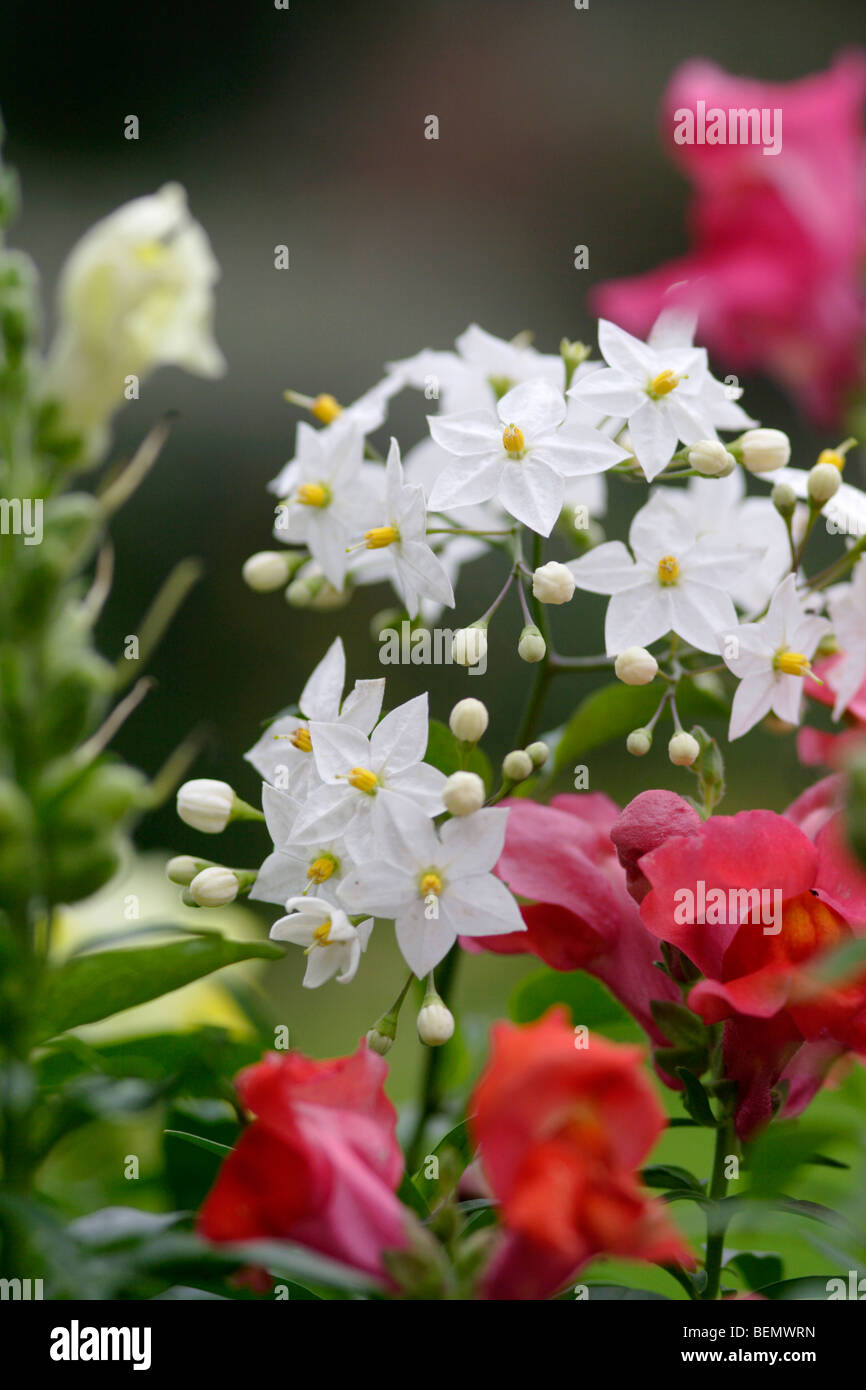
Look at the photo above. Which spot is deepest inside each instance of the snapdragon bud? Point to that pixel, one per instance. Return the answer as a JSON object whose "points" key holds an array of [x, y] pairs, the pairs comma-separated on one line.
{"points": [[711, 459], [463, 793], [214, 887], [468, 720], [517, 765], [636, 666], [182, 869], [539, 753], [553, 583], [763, 451], [531, 647], [206, 804], [435, 1021], [784, 499], [639, 742], [683, 749], [469, 645], [265, 571], [824, 482]]}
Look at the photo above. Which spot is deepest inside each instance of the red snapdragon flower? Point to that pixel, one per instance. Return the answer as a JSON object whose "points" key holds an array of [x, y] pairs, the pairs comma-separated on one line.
{"points": [[778, 241], [319, 1164], [561, 1131], [758, 955], [579, 915], [815, 747]]}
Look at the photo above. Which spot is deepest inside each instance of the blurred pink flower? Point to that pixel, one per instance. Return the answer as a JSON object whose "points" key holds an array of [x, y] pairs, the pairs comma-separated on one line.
{"points": [[778, 240]]}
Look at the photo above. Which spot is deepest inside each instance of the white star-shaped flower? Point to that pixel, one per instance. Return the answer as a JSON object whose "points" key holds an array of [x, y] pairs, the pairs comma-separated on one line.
{"points": [[436, 887], [283, 754], [719, 511], [520, 453], [675, 328], [402, 533], [844, 514], [657, 389], [328, 493], [770, 658], [361, 775], [676, 582], [292, 870], [482, 370], [333, 945], [848, 615]]}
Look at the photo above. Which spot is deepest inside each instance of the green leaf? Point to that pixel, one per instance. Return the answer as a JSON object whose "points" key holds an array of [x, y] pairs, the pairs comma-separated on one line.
{"points": [[757, 1270], [668, 1175], [808, 1289], [588, 1000], [679, 1025], [618, 1293], [695, 1099], [447, 753], [90, 988], [614, 710], [210, 1145], [841, 965], [453, 1153]]}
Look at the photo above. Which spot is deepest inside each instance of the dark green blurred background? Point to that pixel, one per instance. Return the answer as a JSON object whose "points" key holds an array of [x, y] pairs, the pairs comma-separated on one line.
{"points": [[306, 127]]}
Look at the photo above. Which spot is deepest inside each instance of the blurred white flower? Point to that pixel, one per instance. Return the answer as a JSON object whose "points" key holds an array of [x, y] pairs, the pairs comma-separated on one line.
{"points": [[848, 615], [136, 293]]}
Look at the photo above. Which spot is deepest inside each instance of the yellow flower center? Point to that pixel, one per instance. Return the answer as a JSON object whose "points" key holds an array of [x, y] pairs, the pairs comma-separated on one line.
{"points": [[791, 663], [431, 883], [320, 936], [300, 739], [363, 779], [664, 383], [322, 868], [150, 252], [313, 495], [668, 569], [326, 408], [380, 536], [832, 456], [513, 439]]}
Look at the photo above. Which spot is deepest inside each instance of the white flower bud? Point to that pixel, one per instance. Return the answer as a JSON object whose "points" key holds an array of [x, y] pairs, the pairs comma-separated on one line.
{"points": [[435, 1022], [683, 749], [636, 666], [214, 887], [710, 458], [469, 646], [639, 742], [468, 720], [379, 1042], [463, 793], [182, 869], [205, 804], [784, 499], [517, 765], [553, 583], [265, 571], [824, 482], [763, 451], [539, 753], [531, 646]]}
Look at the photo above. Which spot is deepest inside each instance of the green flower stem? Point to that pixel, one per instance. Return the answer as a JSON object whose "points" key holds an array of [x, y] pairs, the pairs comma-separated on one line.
{"points": [[716, 1224], [840, 567], [431, 1086]]}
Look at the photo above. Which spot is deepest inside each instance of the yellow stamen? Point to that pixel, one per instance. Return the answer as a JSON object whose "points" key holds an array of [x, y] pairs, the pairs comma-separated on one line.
{"points": [[363, 779], [320, 936], [513, 439], [300, 739], [668, 570], [792, 663], [431, 883], [326, 408], [322, 868], [664, 383], [380, 536], [313, 495], [832, 456]]}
